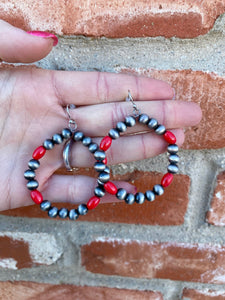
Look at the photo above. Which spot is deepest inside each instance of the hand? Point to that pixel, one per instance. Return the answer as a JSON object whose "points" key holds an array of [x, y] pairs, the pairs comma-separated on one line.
{"points": [[33, 108]]}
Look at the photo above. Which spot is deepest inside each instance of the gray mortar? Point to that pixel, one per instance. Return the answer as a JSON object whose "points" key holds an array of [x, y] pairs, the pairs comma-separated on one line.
{"points": [[205, 53]]}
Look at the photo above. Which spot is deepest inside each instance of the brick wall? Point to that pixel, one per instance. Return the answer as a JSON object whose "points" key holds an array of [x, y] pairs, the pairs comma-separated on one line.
{"points": [[173, 248]]}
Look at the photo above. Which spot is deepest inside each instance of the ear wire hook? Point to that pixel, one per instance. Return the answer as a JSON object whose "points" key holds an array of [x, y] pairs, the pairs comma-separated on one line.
{"points": [[136, 111], [72, 123]]}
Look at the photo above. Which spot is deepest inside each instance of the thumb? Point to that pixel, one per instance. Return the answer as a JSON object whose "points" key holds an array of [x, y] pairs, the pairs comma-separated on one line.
{"points": [[17, 45]]}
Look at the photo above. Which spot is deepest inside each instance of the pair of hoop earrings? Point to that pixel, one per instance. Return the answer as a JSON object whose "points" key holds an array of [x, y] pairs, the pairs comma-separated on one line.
{"points": [[104, 185]]}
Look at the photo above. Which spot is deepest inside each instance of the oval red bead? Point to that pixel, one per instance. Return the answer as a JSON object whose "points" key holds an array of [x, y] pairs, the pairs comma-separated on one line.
{"points": [[167, 179], [105, 161], [170, 137], [36, 196], [39, 152], [110, 188], [105, 143], [93, 202]]}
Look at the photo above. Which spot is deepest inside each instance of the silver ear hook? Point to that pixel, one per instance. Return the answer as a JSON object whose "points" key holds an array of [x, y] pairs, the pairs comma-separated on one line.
{"points": [[72, 123], [136, 111]]}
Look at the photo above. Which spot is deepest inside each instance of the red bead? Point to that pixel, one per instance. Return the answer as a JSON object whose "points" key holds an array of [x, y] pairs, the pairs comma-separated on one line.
{"points": [[105, 161], [93, 202], [36, 196], [105, 143], [167, 179], [170, 137], [39, 152], [110, 188]]}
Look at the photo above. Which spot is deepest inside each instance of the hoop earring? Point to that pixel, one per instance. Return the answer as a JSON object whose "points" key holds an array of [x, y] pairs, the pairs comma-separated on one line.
{"points": [[172, 150], [69, 135]]}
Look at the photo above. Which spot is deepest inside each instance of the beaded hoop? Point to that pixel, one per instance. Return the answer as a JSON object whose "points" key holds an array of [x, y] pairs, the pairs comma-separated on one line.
{"points": [[172, 150], [99, 166]]}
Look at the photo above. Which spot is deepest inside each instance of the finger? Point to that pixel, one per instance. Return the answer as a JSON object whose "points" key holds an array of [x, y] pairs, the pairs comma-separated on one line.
{"points": [[84, 88], [124, 149], [77, 189], [18, 46], [172, 114]]}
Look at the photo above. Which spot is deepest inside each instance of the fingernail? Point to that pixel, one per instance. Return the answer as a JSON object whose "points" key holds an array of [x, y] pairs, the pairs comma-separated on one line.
{"points": [[45, 35], [174, 94]]}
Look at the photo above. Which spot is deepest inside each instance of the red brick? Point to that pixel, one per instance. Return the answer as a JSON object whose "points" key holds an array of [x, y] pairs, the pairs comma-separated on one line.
{"points": [[174, 261], [182, 18], [216, 214], [191, 294], [36, 291], [205, 89], [168, 209], [20, 250], [14, 254]]}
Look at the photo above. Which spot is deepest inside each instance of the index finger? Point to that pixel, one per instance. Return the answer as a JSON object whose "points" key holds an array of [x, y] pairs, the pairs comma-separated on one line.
{"points": [[85, 88]]}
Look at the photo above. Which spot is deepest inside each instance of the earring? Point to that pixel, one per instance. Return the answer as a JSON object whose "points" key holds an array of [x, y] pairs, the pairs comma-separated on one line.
{"points": [[172, 150], [69, 135]]}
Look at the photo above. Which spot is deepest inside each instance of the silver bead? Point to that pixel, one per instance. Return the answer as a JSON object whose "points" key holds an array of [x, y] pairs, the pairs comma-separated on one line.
{"points": [[100, 183], [82, 209], [172, 148], [86, 141], [32, 185], [158, 189], [104, 177], [173, 158], [172, 168], [107, 170], [143, 118], [29, 174], [66, 133], [45, 205], [33, 164], [63, 213], [130, 199], [93, 147], [48, 144], [121, 127], [153, 123], [78, 136], [73, 214], [140, 198], [161, 129], [99, 155], [150, 196], [121, 194], [53, 211], [99, 166], [99, 192], [57, 138], [114, 133], [130, 121]]}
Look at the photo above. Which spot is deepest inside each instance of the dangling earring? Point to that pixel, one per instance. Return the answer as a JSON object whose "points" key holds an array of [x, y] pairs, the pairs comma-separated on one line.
{"points": [[69, 135], [172, 150]]}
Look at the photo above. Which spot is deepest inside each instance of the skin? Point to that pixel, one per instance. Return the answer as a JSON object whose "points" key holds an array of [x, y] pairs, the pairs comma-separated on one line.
{"points": [[32, 109]]}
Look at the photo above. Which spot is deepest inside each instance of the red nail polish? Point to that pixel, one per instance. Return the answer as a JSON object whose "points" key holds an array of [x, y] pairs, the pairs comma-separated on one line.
{"points": [[45, 35]]}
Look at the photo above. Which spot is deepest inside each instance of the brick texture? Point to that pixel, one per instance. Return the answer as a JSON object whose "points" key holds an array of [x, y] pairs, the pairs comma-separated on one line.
{"points": [[181, 18], [37, 291], [205, 89], [174, 261], [191, 294], [168, 209], [216, 213], [20, 250]]}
